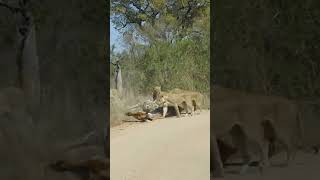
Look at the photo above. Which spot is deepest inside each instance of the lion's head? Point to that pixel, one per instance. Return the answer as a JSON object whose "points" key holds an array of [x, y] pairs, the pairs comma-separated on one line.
{"points": [[156, 92]]}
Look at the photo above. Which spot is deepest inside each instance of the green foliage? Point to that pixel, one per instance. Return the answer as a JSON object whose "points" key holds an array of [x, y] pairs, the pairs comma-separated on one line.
{"points": [[184, 64], [268, 47], [145, 12], [172, 53]]}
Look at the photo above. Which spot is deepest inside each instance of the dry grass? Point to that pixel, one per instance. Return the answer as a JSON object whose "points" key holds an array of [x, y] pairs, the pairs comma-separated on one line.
{"points": [[120, 105]]}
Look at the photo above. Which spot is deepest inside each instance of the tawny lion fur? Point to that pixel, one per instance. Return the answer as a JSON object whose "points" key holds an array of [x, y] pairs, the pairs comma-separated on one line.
{"points": [[178, 98], [197, 98], [248, 112]]}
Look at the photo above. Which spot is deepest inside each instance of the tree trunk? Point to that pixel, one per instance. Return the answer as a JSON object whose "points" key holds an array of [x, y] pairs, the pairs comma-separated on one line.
{"points": [[217, 166], [118, 79], [28, 62], [106, 142]]}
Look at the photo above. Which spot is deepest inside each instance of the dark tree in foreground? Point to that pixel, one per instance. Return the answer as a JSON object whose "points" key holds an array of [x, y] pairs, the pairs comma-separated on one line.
{"points": [[27, 57]]}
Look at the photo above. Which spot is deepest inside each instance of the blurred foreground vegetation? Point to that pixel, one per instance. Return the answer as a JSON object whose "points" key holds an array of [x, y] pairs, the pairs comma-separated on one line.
{"points": [[268, 47]]}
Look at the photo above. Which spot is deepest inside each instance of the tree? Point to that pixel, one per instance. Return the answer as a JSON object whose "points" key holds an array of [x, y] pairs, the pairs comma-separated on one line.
{"points": [[170, 48], [115, 61], [135, 14], [27, 57], [118, 76], [268, 47]]}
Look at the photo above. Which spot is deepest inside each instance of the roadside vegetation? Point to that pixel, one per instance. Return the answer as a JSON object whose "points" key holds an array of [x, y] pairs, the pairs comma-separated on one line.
{"points": [[167, 45]]}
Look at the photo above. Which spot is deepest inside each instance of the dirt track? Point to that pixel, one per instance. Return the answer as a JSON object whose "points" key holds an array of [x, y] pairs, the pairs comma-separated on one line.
{"points": [[167, 149], [305, 167]]}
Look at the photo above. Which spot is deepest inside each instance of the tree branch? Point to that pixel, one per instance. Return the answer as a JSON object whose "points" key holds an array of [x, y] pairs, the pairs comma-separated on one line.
{"points": [[147, 6], [11, 8], [127, 23], [137, 6]]}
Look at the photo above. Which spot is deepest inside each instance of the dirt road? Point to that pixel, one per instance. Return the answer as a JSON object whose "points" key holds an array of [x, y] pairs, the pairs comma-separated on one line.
{"points": [[305, 166], [166, 149]]}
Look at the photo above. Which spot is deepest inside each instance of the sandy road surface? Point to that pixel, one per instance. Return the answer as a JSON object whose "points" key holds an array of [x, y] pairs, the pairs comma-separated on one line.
{"points": [[306, 166], [166, 149]]}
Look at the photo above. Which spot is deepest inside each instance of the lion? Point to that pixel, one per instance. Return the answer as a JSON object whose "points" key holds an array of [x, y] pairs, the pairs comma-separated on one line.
{"points": [[227, 150], [216, 167], [245, 145], [246, 118], [248, 147], [187, 100], [165, 99], [196, 97]]}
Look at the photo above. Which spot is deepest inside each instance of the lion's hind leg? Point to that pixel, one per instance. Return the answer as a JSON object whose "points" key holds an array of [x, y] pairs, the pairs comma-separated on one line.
{"points": [[185, 107], [264, 155], [191, 107], [289, 149], [241, 141], [273, 137], [177, 110], [196, 106]]}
